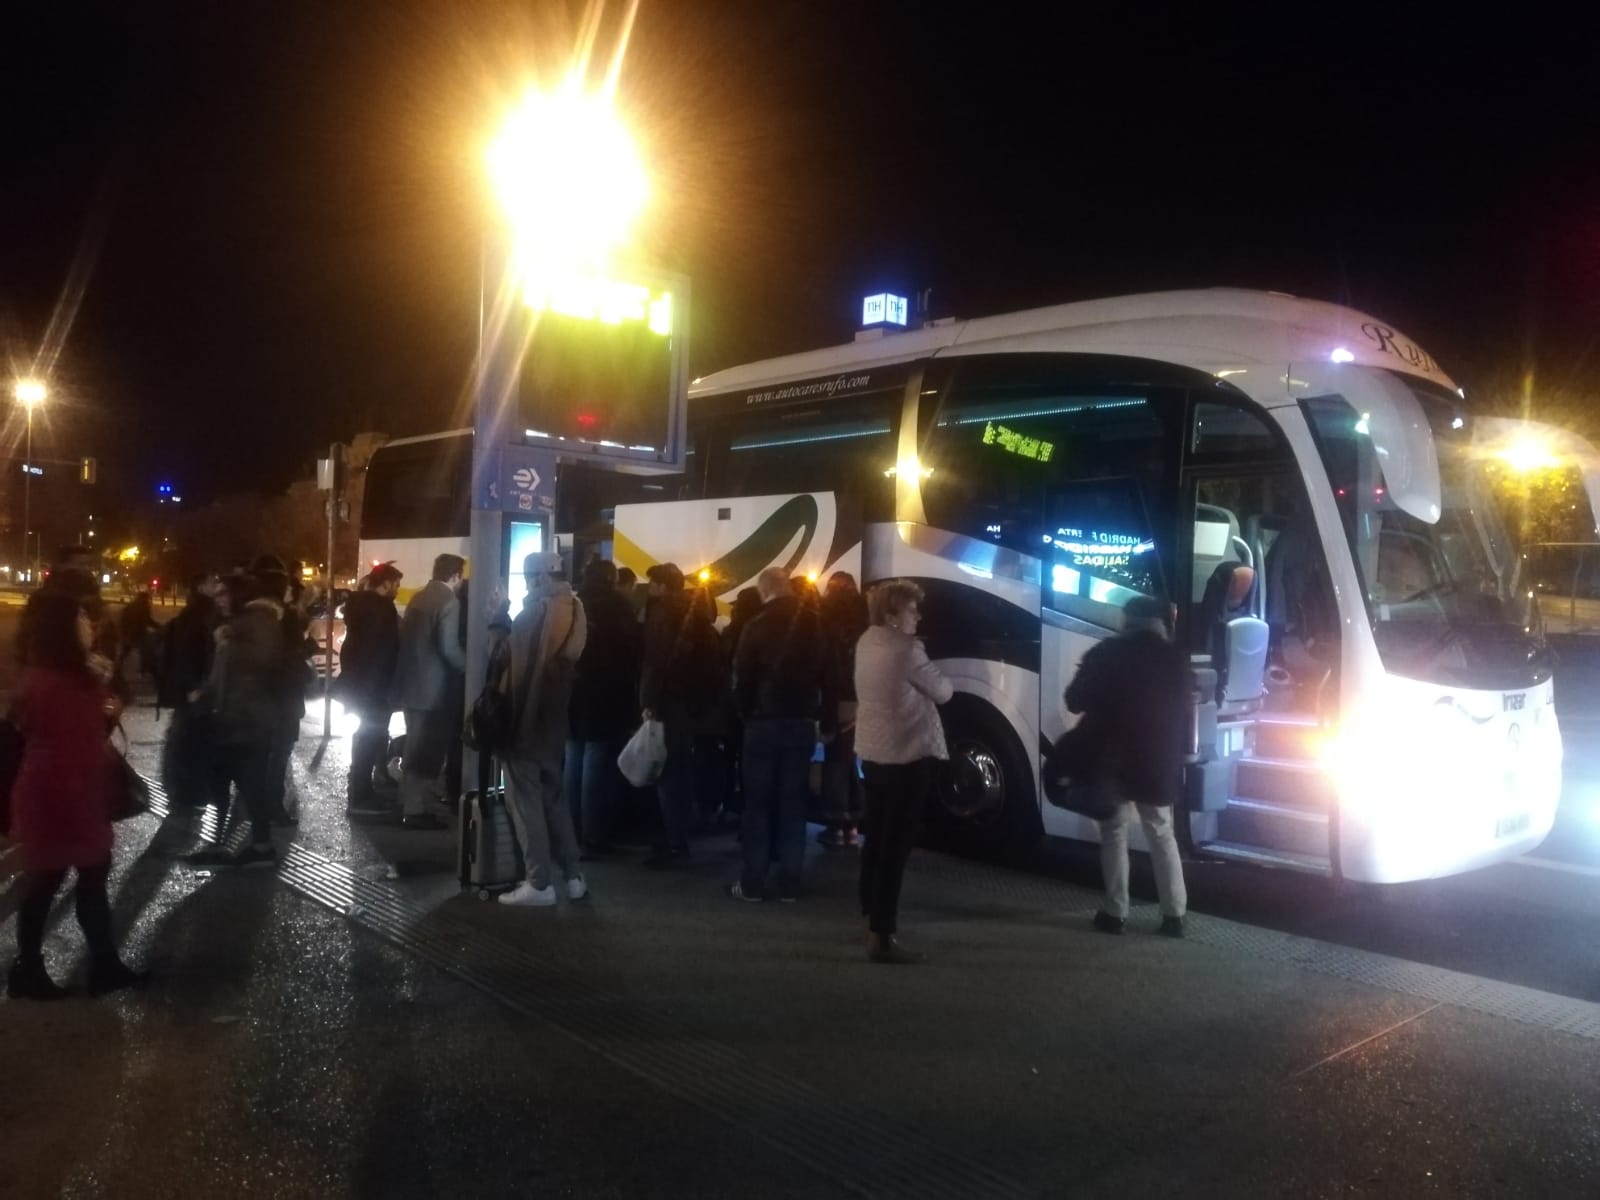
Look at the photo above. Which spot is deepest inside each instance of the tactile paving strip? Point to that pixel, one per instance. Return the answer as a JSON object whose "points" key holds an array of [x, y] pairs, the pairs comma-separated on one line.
{"points": [[1530, 1006]]}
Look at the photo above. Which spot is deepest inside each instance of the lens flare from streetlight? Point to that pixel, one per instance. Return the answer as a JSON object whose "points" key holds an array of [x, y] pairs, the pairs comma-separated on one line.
{"points": [[568, 176], [1529, 454], [31, 392]]}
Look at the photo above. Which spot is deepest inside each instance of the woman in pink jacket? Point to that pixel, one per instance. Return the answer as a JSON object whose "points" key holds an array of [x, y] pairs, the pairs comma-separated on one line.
{"points": [[61, 800]]}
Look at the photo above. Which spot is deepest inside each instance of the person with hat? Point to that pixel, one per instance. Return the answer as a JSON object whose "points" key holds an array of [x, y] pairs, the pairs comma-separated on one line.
{"points": [[546, 640], [1136, 689], [366, 682]]}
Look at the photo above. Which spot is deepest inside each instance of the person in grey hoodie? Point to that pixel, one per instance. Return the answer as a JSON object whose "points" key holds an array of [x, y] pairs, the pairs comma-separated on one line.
{"points": [[546, 639], [899, 737]]}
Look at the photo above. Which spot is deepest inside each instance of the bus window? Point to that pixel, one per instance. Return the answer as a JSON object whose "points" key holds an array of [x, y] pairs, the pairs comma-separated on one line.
{"points": [[844, 446], [1009, 436], [419, 489], [1226, 431], [1099, 550]]}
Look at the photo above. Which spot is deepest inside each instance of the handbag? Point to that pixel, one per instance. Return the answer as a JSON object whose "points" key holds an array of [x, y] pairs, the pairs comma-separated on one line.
{"points": [[1074, 775]]}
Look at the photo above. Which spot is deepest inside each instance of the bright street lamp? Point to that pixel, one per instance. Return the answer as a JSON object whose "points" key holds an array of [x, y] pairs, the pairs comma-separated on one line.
{"points": [[30, 394], [568, 177]]}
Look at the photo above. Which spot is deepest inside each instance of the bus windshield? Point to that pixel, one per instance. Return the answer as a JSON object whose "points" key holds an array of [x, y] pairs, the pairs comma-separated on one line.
{"points": [[1442, 595]]}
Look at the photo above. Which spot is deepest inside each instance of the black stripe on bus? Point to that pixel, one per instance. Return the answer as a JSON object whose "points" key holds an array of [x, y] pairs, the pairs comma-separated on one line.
{"points": [[961, 620]]}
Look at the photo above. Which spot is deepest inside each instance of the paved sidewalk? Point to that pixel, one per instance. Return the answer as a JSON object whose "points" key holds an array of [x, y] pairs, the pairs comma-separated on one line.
{"points": [[359, 1026]]}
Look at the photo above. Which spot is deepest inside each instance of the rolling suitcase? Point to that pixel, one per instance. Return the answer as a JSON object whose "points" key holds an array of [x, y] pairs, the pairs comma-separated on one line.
{"points": [[488, 859]]}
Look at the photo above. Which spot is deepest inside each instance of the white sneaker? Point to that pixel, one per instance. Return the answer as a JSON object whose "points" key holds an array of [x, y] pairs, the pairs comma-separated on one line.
{"points": [[525, 895], [577, 889]]}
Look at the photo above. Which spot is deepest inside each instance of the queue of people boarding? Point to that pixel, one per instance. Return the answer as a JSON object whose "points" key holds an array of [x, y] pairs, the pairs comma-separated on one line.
{"points": [[587, 668], [739, 714]]}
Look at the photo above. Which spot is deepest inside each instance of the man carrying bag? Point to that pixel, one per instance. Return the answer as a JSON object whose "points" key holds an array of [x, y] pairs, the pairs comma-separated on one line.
{"points": [[544, 640], [1125, 754]]}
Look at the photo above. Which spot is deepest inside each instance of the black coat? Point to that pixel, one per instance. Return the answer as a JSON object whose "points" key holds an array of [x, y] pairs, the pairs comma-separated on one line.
{"points": [[679, 676], [187, 644], [371, 650], [604, 704], [781, 664], [1134, 692]]}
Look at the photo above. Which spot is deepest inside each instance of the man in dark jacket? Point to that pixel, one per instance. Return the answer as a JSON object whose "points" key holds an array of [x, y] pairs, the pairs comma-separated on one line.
{"points": [[366, 683], [243, 696], [604, 705], [1135, 690], [430, 658], [678, 682], [779, 671], [187, 644]]}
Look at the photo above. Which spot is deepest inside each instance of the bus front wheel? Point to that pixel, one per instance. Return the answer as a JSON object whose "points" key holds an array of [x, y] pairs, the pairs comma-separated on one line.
{"points": [[983, 803]]}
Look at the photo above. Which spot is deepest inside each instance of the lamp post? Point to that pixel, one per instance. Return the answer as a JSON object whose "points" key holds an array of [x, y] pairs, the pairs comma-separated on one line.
{"points": [[569, 182], [30, 394]]}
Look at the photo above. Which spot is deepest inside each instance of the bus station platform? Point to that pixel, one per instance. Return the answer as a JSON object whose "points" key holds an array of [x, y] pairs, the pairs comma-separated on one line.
{"points": [[354, 1024]]}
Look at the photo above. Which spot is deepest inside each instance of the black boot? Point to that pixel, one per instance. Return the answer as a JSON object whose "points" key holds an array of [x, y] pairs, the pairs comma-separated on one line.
{"points": [[112, 974], [28, 980]]}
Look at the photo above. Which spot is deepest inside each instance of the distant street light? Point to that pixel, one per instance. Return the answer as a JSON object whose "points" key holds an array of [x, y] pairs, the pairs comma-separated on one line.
{"points": [[30, 394]]}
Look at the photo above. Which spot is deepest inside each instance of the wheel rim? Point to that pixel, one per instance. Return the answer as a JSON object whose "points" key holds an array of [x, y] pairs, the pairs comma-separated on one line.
{"points": [[976, 791]]}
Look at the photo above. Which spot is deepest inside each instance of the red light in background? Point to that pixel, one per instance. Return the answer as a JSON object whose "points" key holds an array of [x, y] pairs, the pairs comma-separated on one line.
{"points": [[588, 420]]}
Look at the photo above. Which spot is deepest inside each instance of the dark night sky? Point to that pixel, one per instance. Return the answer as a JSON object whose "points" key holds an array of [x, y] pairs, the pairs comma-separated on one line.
{"points": [[273, 210]]}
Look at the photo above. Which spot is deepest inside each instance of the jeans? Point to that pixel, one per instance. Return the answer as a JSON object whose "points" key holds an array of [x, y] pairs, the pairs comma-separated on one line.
{"points": [[711, 783], [542, 821], [369, 749], [428, 735], [896, 793], [1164, 859], [245, 765], [90, 899], [590, 789], [841, 787], [777, 770], [675, 788]]}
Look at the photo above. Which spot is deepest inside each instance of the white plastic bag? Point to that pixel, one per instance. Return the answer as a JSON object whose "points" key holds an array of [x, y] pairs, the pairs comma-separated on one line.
{"points": [[645, 756]]}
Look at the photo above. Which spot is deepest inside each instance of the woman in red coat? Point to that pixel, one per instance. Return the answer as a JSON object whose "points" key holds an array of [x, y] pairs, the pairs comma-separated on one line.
{"points": [[61, 801]]}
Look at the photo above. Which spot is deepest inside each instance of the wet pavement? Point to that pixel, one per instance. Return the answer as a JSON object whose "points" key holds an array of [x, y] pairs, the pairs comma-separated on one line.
{"points": [[354, 1024]]}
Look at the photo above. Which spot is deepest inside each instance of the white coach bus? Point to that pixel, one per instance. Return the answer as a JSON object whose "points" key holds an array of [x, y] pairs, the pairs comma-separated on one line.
{"points": [[1300, 480], [416, 505]]}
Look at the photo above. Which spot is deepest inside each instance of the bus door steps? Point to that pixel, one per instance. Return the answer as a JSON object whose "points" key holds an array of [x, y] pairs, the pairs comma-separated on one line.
{"points": [[1287, 782], [1307, 864], [1297, 736], [1274, 828]]}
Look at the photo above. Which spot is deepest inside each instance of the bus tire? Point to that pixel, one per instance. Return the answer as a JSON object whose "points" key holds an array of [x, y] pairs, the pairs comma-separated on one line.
{"points": [[984, 804]]}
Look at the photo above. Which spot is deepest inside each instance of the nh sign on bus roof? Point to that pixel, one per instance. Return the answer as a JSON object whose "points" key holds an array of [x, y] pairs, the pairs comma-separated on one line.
{"points": [[884, 309]]}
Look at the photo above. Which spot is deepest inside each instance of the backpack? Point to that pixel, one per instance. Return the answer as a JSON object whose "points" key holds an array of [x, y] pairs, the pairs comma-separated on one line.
{"points": [[492, 722]]}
